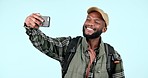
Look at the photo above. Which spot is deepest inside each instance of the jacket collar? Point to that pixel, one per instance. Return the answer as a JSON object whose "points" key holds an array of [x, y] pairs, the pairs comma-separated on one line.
{"points": [[101, 49]]}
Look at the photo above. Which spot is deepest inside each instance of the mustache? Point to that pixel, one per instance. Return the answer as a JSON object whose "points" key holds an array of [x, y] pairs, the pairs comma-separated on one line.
{"points": [[89, 26]]}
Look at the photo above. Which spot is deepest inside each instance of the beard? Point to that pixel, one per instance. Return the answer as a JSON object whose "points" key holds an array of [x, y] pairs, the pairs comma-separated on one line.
{"points": [[92, 36]]}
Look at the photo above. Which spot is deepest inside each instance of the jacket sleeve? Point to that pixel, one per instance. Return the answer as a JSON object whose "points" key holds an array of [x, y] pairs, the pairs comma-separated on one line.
{"points": [[53, 47], [119, 71]]}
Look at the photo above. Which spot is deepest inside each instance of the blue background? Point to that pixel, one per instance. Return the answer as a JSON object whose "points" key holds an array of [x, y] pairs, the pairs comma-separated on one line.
{"points": [[127, 32]]}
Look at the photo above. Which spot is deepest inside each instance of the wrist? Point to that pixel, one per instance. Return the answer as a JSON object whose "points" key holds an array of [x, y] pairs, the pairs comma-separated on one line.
{"points": [[25, 25]]}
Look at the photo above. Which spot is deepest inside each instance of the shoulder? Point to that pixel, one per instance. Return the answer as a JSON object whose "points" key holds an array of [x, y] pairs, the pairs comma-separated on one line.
{"points": [[111, 51]]}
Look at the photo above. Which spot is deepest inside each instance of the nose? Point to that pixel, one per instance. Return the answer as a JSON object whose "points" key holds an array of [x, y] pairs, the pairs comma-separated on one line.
{"points": [[90, 23]]}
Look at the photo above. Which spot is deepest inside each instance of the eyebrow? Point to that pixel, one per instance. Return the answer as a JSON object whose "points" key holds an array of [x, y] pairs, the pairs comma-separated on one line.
{"points": [[94, 18]]}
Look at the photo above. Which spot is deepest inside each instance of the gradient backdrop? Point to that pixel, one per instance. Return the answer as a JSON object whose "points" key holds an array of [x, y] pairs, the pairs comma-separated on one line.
{"points": [[127, 32]]}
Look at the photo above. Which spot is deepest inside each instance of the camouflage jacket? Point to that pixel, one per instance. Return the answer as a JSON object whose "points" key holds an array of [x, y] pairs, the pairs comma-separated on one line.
{"points": [[56, 48]]}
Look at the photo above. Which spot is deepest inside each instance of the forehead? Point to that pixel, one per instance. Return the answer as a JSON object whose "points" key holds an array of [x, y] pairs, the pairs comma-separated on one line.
{"points": [[95, 14]]}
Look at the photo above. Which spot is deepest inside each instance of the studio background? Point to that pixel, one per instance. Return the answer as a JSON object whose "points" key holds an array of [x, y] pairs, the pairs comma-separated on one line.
{"points": [[127, 32]]}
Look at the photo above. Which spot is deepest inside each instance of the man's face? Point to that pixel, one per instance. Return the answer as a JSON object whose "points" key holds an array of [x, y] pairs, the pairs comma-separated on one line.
{"points": [[93, 26]]}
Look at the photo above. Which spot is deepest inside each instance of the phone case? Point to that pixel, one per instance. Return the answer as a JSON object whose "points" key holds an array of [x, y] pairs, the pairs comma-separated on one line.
{"points": [[46, 22]]}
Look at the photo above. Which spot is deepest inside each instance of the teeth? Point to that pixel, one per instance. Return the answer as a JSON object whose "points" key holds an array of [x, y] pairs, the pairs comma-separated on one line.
{"points": [[89, 29]]}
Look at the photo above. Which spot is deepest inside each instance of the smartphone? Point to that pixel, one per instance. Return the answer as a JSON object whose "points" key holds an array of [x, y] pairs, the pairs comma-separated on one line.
{"points": [[46, 22]]}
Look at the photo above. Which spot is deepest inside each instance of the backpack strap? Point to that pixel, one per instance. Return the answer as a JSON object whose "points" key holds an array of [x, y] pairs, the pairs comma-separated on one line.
{"points": [[112, 59], [70, 52]]}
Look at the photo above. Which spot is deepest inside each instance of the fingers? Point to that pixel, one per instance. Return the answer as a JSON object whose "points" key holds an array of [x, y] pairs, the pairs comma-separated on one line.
{"points": [[37, 16], [34, 20]]}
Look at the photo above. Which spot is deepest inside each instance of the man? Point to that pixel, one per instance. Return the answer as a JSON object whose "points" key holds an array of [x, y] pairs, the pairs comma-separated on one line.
{"points": [[89, 60]]}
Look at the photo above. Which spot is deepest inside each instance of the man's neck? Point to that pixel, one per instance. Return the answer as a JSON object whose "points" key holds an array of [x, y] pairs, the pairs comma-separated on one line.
{"points": [[93, 43]]}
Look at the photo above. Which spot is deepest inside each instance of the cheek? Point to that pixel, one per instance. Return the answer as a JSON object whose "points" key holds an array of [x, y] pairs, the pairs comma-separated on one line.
{"points": [[85, 23], [99, 26], [88, 22]]}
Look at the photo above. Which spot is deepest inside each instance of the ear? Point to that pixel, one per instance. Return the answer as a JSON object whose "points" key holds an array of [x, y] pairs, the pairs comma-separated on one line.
{"points": [[104, 29]]}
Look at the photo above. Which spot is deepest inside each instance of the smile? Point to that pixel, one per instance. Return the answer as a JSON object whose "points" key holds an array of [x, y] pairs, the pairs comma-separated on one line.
{"points": [[89, 29]]}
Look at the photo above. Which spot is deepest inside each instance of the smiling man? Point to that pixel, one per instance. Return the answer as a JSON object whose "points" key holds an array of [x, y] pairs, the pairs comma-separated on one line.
{"points": [[80, 57]]}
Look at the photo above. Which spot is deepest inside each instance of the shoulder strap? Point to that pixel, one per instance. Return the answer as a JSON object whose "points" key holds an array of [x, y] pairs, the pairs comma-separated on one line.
{"points": [[112, 57], [70, 52]]}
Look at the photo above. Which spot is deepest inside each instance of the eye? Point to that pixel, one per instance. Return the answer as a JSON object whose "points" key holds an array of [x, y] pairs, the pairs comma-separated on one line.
{"points": [[88, 18], [97, 21]]}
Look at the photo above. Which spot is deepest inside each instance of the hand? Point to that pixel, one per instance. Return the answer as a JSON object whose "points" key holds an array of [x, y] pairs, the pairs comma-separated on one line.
{"points": [[34, 20]]}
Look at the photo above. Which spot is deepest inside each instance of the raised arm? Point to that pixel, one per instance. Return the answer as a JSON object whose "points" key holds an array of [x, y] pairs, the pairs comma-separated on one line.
{"points": [[53, 47]]}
